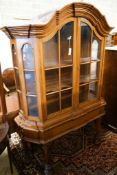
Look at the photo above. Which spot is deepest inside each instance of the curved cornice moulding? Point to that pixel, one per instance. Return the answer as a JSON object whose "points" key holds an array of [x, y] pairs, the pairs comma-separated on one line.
{"points": [[84, 10]]}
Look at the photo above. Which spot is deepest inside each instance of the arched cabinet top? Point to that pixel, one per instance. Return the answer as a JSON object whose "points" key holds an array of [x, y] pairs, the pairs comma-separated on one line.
{"points": [[73, 10]]}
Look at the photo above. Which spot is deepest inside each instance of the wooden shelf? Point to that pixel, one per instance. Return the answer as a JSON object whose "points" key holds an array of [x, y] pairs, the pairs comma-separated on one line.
{"points": [[29, 70], [84, 79], [52, 100], [51, 67], [95, 60], [85, 60], [62, 90], [66, 65], [84, 84], [30, 95], [53, 92], [90, 82], [57, 67], [90, 61], [94, 81], [53, 87]]}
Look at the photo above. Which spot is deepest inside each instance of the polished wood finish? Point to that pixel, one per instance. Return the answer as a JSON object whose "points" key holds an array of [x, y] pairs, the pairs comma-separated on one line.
{"points": [[72, 10], [109, 88], [9, 79], [66, 91], [9, 107]]}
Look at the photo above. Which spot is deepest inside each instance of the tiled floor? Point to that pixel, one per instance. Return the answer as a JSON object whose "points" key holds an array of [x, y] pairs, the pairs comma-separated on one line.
{"points": [[4, 165]]}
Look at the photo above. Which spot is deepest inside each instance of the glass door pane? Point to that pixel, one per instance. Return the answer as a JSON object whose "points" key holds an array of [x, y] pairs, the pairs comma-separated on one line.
{"points": [[66, 77], [28, 57], [53, 104], [58, 55], [93, 90], [94, 74], [51, 64], [66, 60], [66, 44], [96, 48], [51, 52], [66, 99], [52, 80], [30, 82], [85, 59], [66, 67], [32, 106], [83, 95], [84, 73], [85, 42]]}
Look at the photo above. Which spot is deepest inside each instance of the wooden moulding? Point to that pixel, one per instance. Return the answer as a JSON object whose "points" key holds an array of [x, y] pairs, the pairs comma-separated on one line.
{"points": [[72, 10], [43, 133]]}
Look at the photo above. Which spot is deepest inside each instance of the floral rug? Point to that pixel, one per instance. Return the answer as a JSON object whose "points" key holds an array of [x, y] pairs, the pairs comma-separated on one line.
{"points": [[73, 154]]}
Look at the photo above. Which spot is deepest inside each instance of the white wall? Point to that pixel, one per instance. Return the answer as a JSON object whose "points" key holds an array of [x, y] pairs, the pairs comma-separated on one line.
{"points": [[11, 10], [5, 52]]}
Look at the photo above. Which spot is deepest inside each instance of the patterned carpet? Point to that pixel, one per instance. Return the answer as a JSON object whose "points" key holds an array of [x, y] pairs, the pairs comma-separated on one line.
{"points": [[73, 154]]}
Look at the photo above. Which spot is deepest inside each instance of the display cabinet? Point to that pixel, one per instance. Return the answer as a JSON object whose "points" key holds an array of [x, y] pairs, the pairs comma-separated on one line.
{"points": [[59, 72]]}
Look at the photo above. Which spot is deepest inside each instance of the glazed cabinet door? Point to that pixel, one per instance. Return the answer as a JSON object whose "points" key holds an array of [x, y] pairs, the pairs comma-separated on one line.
{"points": [[58, 68], [90, 62]]}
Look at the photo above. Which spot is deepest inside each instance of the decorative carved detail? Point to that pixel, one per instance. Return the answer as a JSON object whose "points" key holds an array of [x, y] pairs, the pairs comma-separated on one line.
{"points": [[72, 10]]}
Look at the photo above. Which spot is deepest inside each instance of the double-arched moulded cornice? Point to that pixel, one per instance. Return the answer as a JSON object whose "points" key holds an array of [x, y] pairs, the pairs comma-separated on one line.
{"points": [[84, 10]]}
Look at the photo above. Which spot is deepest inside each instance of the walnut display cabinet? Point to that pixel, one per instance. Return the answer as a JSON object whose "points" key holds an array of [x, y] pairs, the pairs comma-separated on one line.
{"points": [[59, 72]]}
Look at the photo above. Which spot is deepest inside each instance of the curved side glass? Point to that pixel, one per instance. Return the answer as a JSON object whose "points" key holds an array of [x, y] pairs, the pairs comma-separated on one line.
{"points": [[96, 48], [28, 57], [29, 74]]}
